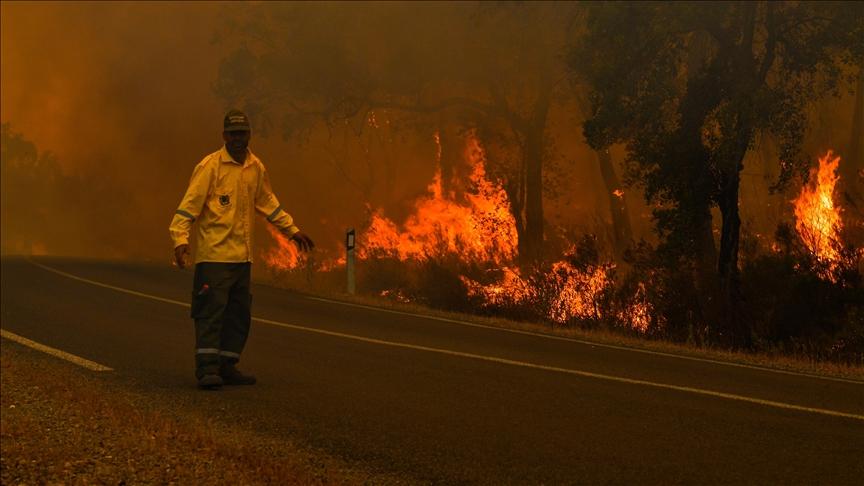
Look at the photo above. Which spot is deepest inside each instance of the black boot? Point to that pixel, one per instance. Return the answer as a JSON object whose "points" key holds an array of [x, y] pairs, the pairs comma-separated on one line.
{"points": [[232, 376], [210, 382]]}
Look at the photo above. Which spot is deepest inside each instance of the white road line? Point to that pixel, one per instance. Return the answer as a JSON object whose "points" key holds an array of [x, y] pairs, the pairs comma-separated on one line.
{"points": [[90, 365], [482, 326], [492, 359], [589, 343], [586, 374], [104, 285]]}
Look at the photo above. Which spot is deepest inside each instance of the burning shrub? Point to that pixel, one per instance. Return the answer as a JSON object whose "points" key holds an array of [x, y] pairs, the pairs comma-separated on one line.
{"points": [[577, 288], [476, 225], [434, 282], [503, 292], [658, 296], [819, 224], [387, 277], [439, 285], [817, 219], [457, 249]]}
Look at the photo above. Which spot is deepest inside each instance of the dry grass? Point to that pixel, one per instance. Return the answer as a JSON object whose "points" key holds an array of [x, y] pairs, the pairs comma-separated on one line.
{"points": [[779, 361], [60, 424]]}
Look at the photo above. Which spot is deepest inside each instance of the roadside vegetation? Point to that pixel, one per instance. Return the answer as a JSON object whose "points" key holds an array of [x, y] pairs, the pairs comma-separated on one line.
{"points": [[680, 175], [799, 360], [668, 103]]}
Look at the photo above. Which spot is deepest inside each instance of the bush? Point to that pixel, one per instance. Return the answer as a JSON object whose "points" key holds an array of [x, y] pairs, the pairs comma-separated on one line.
{"points": [[791, 304]]}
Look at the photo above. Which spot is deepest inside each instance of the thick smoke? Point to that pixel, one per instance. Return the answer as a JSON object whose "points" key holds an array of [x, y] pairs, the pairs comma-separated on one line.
{"points": [[122, 96], [119, 93]]}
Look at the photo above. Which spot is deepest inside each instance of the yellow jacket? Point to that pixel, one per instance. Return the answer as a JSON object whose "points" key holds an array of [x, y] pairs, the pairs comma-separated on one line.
{"points": [[222, 198]]}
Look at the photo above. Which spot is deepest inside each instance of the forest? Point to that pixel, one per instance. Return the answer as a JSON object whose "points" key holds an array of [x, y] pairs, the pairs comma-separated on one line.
{"points": [[692, 172]]}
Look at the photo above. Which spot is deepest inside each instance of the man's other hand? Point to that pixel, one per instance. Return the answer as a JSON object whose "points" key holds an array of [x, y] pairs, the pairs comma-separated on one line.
{"points": [[181, 255], [303, 242]]}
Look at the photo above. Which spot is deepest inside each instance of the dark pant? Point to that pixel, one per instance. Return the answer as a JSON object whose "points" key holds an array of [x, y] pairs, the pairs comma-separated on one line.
{"points": [[221, 307]]}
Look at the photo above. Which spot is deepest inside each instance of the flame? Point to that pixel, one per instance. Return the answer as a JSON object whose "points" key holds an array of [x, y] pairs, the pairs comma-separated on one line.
{"points": [[510, 289], [331, 264], [578, 292], [471, 222], [575, 293], [618, 193], [817, 219], [284, 256], [637, 314], [396, 295], [478, 228]]}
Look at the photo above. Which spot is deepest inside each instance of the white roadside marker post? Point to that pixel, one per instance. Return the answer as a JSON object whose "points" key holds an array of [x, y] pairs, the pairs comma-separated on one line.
{"points": [[349, 259]]}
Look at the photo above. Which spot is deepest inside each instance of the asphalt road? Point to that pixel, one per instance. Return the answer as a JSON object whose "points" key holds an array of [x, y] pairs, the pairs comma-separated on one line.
{"points": [[444, 402]]}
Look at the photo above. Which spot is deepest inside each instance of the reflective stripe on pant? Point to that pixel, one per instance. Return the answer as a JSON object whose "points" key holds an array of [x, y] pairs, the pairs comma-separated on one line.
{"points": [[221, 307]]}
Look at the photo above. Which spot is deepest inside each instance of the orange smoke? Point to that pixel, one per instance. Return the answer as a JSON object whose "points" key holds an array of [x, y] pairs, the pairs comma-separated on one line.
{"points": [[817, 219]]}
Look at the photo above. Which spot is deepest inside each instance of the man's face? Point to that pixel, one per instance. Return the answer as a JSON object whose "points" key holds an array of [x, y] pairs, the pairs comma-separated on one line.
{"points": [[236, 141]]}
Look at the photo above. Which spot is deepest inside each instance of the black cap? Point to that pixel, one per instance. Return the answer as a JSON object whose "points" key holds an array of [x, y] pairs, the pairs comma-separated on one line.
{"points": [[236, 120]]}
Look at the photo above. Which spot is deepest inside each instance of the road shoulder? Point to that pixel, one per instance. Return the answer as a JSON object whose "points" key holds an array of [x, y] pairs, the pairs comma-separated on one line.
{"points": [[63, 424]]}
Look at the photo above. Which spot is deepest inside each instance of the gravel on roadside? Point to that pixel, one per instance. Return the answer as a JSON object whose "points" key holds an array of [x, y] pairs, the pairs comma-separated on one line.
{"points": [[61, 424]]}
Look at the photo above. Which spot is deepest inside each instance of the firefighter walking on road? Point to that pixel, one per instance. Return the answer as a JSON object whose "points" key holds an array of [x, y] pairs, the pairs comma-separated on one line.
{"points": [[225, 191]]}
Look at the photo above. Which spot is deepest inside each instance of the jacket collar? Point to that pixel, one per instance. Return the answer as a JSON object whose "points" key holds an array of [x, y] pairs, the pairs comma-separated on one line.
{"points": [[225, 157]]}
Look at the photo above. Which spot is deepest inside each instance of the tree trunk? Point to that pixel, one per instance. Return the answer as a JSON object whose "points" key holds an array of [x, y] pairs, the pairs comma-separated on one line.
{"points": [[695, 229], [533, 155], [732, 324], [706, 281], [727, 264], [623, 233], [516, 194], [735, 331]]}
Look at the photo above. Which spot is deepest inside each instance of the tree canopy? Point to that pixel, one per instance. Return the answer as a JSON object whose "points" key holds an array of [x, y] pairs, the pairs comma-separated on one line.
{"points": [[499, 66], [690, 87]]}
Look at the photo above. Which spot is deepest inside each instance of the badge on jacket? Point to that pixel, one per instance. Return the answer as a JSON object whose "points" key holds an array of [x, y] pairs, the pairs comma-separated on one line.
{"points": [[224, 199]]}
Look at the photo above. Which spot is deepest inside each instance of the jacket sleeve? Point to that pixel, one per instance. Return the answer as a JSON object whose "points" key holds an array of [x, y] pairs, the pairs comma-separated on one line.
{"points": [[191, 205], [267, 204]]}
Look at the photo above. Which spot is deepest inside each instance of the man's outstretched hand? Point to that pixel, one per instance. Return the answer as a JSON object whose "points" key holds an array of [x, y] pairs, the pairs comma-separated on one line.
{"points": [[303, 242], [181, 255]]}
